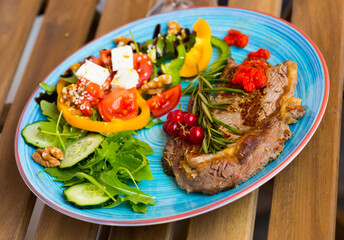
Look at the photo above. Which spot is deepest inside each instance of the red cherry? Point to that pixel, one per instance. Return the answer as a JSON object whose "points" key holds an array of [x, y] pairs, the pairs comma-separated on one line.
{"points": [[173, 128], [190, 119], [177, 112], [184, 134], [169, 115], [178, 118], [164, 126], [196, 135]]}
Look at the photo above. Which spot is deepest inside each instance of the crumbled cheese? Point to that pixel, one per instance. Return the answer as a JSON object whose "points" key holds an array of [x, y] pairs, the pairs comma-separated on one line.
{"points": [[92, 72], [122, 57], [125, 78]]}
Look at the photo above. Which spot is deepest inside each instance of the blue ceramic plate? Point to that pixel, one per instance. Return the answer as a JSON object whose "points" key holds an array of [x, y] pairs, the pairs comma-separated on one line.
{"points": [[283, 40]]}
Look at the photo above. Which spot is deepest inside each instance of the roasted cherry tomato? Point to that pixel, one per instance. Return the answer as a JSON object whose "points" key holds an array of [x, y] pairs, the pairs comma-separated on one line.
{"points": [[105, 56], [236, 38], [121, 104], [261, 54], [144, 67], [164, 102]]}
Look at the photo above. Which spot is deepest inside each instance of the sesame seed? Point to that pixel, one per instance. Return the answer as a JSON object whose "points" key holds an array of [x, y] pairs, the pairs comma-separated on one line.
{"points": [[139, 70], [149, 63], [145, 74], [139, 58], [144, 56]]}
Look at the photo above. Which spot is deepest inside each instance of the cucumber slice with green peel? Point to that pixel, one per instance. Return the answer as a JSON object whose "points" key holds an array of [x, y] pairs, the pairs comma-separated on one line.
{"points": [[35, 137], [86, 195], [80, 149]]}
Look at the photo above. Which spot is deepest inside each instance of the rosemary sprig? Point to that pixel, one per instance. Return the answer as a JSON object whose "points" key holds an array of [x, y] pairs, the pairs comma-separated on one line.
{"points": [[224, 89], [214, 140]]}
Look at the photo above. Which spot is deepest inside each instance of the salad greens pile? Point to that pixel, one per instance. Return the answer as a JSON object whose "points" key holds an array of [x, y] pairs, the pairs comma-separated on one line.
{"points": [[113, 169]]}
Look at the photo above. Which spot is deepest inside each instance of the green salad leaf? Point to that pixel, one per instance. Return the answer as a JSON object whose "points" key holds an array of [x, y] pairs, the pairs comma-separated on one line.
{"points": [[153, 123], [50, 110], [49, 89], [116, 166]]}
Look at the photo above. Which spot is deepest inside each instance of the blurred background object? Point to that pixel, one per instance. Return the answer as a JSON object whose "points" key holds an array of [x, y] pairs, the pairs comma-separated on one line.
{"points": [[170, 5]]}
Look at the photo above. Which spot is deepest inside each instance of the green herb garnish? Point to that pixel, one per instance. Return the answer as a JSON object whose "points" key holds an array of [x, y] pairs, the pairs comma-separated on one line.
{"points": [[135, 43], [214, 140]]}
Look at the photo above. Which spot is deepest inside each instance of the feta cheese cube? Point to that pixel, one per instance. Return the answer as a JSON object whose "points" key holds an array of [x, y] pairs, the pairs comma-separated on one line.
{"points": [[122, 57], [125, 78], [92, 72]]}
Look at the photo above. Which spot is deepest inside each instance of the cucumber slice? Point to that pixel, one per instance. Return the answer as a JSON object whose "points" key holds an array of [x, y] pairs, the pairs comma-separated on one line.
{"points": [[35, 137], [86, 195], [80, 149]]}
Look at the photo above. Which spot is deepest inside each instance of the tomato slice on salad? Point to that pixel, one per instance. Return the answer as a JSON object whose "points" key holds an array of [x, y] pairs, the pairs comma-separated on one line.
{"points": [[121, 104], [144, 67], [86, 107], [164, 102], [95, 60], [105, 56]]}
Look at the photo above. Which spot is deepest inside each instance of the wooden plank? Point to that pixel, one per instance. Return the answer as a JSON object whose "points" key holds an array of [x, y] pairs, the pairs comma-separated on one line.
{"points": [[227, 222], [16, 19], [52, 46], [267, 6], [54, 225], [305, 193], [130, 11], [156, 232], [63, 19], [236, 220], [117, 13]]}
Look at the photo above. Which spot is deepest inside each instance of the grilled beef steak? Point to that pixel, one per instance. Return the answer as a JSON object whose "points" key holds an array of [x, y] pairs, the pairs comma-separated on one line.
{"points": [[263, 117]]}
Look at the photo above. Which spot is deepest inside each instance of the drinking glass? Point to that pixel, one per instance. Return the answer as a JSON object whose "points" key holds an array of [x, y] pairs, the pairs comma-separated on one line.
{"points": [[170, 5]]}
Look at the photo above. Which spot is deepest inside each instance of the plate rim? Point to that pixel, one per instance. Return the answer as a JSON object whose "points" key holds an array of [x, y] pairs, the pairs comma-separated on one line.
{"points": [[204, 209]]}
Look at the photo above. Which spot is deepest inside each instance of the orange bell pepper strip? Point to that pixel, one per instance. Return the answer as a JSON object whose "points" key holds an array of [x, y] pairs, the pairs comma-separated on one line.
{"points": [[200, 53], [74, 118]]}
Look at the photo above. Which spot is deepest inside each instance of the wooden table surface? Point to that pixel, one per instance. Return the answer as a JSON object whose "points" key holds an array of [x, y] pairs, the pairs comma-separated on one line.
{"points": [[304, 196]]}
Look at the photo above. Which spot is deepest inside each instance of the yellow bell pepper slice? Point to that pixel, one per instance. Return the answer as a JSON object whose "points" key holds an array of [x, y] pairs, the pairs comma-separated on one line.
{"points": [[74, 118], [200, 53]]}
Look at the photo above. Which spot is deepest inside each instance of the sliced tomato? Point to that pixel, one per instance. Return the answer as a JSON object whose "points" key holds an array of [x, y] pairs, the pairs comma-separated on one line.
{"points": [[105, 56], [95, 60], [164, 102], [86, 107], [95, 90], [144, 67], [121, 104]]}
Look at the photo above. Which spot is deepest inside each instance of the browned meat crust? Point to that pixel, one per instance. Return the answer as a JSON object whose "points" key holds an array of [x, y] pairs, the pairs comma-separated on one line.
{"points": [[263, 117]]}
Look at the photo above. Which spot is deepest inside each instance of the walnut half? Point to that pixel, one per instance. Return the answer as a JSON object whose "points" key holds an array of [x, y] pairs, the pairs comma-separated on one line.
{"points": [[174, 27], [156, 85], [48, 157]]}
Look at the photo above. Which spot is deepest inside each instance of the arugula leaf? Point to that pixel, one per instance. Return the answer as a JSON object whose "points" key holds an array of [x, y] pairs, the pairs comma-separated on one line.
{"points": [[118, 137], [50, 110], [72, 182], [62, 175], [153, 123], [92, 180], [139, 146], [114, 185], [49, 89], [139, 207], [119, 160], [48, 127], [138, 167]]}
